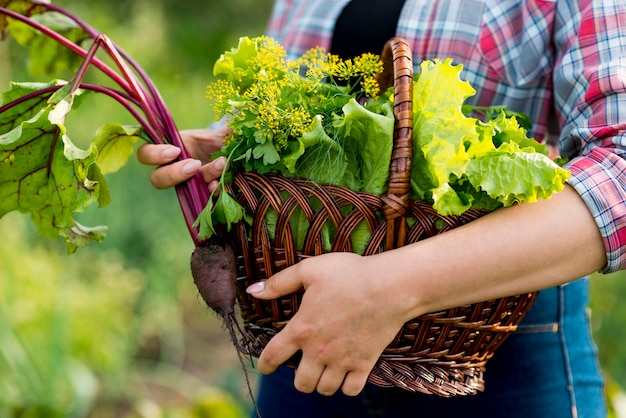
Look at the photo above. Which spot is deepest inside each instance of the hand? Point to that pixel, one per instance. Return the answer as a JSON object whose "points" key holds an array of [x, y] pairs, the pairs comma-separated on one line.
{"points": [[348, 315], [200, 143]]}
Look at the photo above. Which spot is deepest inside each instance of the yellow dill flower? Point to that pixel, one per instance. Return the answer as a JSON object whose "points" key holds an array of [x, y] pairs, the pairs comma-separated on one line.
{"points": [[270, 59], [219, 92], [368, 64], [370, 86]]}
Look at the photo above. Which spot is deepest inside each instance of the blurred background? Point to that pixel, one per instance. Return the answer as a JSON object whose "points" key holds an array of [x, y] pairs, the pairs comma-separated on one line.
{"points": [[117, 329]]}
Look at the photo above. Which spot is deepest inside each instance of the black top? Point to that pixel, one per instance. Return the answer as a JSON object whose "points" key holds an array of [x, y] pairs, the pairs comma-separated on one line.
{"points": [[365, 26]]}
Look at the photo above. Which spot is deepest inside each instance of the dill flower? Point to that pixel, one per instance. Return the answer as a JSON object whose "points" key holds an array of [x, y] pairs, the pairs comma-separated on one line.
{"points": [[271, 101], [220, 93]]}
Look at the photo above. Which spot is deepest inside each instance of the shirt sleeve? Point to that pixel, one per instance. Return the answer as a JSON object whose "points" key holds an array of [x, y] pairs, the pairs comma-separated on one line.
{"points": [[590, 100]]}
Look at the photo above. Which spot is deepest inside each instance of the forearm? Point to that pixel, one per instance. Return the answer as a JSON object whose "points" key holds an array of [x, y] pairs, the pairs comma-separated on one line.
{"points": [[515, 250]]}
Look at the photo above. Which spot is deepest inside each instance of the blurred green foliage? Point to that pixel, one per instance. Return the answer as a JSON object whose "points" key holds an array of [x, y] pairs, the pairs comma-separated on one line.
{"points": [[117, 329]]}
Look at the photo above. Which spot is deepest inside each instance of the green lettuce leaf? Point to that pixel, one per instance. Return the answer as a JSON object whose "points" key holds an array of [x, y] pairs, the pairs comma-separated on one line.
{"points": [[234, 66], [462, 162], [511, 175], [324, 160], [442, 133], [369, 136]]}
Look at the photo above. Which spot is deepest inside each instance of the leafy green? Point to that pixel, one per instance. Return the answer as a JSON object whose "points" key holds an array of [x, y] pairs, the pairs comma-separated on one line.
{"points": [[23, 7], [46, 55], [462, 162], [300, 119], [43, 173], [369, 137], [309, 126]]}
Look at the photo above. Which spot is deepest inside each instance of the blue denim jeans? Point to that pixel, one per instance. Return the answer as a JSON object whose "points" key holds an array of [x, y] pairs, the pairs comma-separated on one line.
{"points": [[547, 368]]}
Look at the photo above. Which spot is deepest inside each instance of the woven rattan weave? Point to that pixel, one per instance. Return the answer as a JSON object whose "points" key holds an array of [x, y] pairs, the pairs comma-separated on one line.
{"points": [[442, 353]]}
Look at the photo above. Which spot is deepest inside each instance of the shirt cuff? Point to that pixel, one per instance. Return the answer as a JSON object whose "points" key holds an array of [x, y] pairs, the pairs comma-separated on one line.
{"points": [[600, 179]]}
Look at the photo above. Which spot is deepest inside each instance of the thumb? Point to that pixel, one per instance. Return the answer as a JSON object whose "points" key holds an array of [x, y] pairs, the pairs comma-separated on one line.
{"points": [[280, 284]]}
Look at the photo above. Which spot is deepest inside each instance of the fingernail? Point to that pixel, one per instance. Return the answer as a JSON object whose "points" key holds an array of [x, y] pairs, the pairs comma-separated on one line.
{"points": [[220, 163], [256, 287], [191, 167], [170, 152]]}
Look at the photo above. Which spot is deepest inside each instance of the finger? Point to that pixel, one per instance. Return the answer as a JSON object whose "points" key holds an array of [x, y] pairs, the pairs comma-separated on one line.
{"points": [[354, 382], [331, 380], [277, 351], [173, 174], [213, 170], [213, 185], [157, 154], [308, 375], [280, 284]]}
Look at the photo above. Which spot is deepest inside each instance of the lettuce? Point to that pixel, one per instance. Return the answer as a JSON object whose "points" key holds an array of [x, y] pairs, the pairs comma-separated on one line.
{"points": [[460, 162]]}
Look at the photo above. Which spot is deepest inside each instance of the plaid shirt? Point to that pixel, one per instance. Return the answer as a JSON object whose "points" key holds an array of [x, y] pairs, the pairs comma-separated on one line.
{"points": [[562, 62]]}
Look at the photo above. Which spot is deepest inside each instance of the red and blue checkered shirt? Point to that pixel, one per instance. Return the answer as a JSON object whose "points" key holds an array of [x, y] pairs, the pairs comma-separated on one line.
{"points": [[562, 62]]}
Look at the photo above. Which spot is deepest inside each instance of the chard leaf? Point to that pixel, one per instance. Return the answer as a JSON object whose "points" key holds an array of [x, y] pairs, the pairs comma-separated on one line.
{"points": [[27, 108], [44, 174], [115, 144], [23, 7], [47, 56]]}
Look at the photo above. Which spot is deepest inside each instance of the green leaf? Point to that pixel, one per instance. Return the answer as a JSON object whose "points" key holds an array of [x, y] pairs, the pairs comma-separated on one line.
{"points": [[23, 7], [44, 174], [233, 64], [508, 129], [370, 136], [510, 176], [324, 161], [204, 222], [448, 202], [266, 152], [461, 162], [442, 133], [81, 236], [225, 210], [46, 56], [28, 108], [115, 144]]}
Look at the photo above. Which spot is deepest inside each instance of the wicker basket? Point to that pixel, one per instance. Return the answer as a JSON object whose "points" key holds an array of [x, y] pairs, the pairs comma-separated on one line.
{"points": [[441, 353]]}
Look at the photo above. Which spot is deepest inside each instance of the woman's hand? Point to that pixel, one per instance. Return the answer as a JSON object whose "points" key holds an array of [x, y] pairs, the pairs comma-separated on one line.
{"points": [[347, 317], [200, 143]]}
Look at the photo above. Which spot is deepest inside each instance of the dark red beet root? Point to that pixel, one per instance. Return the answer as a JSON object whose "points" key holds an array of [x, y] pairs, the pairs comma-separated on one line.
{"points": [[214, 271]]}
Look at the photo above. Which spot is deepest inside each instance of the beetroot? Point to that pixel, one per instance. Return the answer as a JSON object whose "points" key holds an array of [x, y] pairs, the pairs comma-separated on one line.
{"points": [[214, 271]]}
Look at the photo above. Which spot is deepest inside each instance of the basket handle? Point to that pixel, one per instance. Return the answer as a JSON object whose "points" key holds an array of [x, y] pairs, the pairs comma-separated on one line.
{"points": [[397, 60]]}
